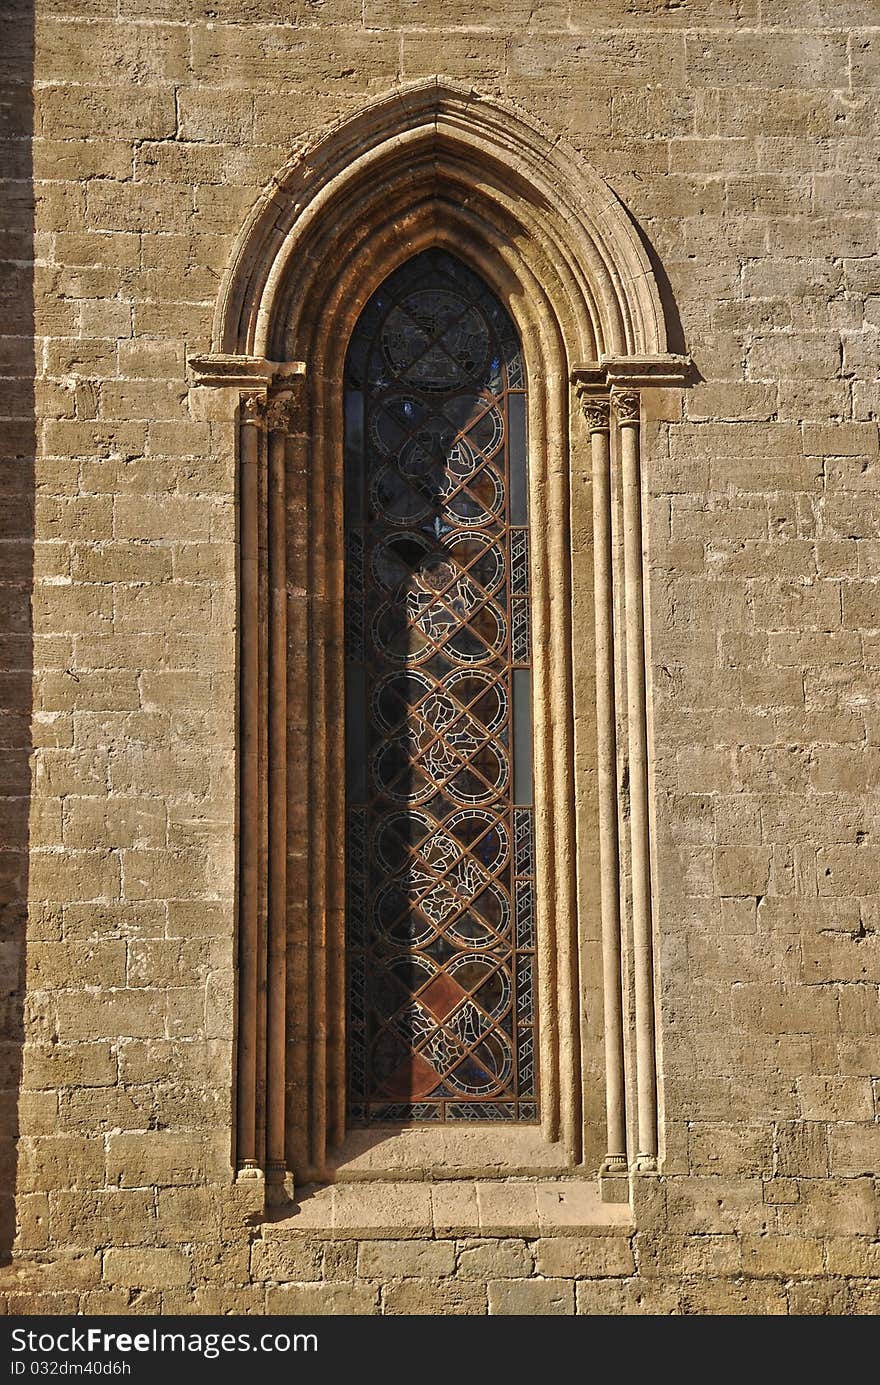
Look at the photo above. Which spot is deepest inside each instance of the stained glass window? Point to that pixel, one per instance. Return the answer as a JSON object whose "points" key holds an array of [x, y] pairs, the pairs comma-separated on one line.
{"points": [[440, 858]]}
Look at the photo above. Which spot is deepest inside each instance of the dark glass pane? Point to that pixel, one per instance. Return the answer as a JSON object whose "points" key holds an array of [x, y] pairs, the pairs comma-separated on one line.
{"points": [[516, 406], [354, 455], [522, 735], [440, 866]]}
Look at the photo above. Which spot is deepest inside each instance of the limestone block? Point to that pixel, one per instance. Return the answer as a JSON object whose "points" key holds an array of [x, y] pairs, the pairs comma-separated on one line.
{"points": [[818, 1296], [326, 1299], [34, 1302], [716, 1205], [833, 1207], [136, 112], [590, 1257], [855, 1149], [215, 115], [781, 1256], [146, 1267], [507, 1209], [627, 1297], [385, 1260], [716, 1148], [209, 1299], [802, 1150], [531, 1297], [99, 1217], [32, 1211], [735, 1297], [60, 1161], [165, 1159], [836, 1098], [853, 1255], [69, 1065], [125, 1302], [284, 1261], [385, 1209], [496, 1259], [65, 1271], [454, 1207]]}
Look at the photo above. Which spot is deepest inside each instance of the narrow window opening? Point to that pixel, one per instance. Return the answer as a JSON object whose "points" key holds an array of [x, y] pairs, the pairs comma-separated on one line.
{"points": [[440, 858]]}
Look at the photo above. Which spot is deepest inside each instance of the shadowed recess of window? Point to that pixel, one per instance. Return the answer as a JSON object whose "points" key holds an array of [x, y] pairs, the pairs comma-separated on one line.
{"points": [[440, 858]]}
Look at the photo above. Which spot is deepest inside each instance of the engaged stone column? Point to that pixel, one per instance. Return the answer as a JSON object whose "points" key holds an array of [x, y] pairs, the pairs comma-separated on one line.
{"points": [[256, 397], [252, 419], [279, 416], [594, 402], [626, 404]]}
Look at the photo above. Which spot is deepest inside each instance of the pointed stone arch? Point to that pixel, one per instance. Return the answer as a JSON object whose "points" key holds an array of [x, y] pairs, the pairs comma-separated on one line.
{"points": [[433, 164], [433, 151]]}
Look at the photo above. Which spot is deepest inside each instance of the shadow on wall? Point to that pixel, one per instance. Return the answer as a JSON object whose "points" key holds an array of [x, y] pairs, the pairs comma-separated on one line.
{"points": [[675, 340], [17, 458]]}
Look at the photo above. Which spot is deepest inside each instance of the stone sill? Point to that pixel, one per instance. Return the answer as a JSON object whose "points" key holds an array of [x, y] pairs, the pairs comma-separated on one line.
{"points": [[406, 1210], [396, 1152]]}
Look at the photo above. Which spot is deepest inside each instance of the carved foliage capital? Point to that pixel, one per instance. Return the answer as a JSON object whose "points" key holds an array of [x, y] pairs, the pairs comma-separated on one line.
{"points": [[280, 413], [626, 405], [596, 412]]}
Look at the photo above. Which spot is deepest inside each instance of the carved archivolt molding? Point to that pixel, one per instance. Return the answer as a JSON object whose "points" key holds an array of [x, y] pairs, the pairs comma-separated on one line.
{"points": [[438, 141], [429, 164]]}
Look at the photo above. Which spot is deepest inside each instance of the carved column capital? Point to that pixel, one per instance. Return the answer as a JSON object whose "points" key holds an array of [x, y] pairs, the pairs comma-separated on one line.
{"points": [[625, 403], [596, 411], [280, 413], [253, 409]]}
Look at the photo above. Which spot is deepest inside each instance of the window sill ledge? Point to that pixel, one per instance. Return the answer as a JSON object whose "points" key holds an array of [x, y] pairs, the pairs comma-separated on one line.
{"points": [[452, 1207], [428, 1153]]}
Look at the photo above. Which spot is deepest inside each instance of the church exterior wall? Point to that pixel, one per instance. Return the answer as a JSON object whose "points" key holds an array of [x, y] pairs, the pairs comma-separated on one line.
{"points": [[742, 137]]}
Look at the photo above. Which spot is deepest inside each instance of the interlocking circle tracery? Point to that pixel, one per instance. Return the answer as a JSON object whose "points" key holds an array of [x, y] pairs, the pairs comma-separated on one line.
{"points": [[440, 869]]}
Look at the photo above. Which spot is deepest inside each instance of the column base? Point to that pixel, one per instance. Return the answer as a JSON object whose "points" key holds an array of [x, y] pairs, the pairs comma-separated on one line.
{"points": [[644, 1163], [249, 1172], [279, 1186]]}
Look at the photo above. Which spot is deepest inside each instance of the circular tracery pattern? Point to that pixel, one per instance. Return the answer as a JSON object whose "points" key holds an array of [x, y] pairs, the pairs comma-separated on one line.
{"points": [[439, 900]]}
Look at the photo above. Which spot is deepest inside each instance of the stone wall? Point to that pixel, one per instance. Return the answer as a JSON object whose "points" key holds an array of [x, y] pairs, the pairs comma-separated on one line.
{"points": [[743, 137]]}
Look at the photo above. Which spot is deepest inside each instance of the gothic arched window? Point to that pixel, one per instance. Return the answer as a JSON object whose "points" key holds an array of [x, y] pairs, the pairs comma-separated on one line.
{"points": [[494, 939], [440, 935]]}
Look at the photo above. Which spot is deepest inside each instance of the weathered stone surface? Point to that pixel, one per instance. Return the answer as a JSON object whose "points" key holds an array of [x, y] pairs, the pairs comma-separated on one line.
{"points": [[133, 148], [384, 1260], [147, 1268], [531, 1297], [594, 1257], [327, 1299], [507, 1259], [433, 1297]]}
